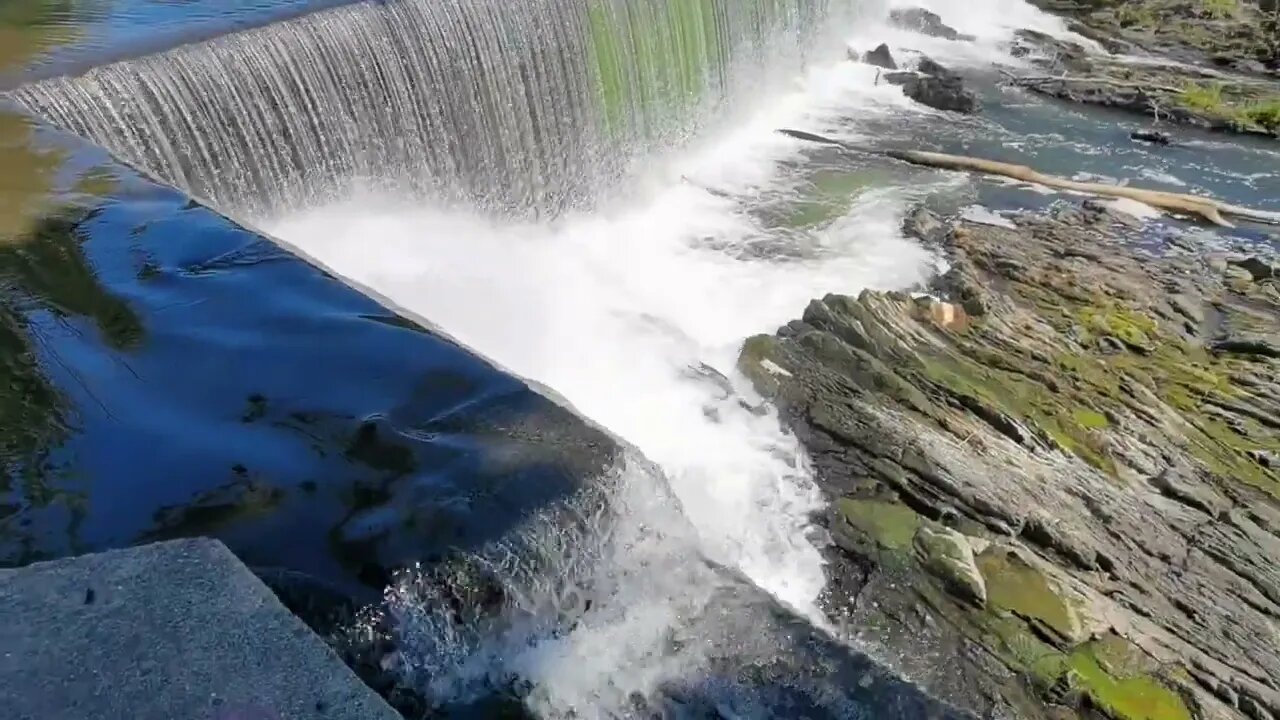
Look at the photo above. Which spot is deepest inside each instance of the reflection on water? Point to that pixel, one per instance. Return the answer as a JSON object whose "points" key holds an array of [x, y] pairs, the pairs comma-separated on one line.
{"points": [[52, 37], [168, 373], [26, 178], [43, 271], [30, 28]]}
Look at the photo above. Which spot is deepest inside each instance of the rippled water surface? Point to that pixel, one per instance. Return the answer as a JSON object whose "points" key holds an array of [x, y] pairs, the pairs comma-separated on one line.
{"points": [[43, 37], [166, 372]]}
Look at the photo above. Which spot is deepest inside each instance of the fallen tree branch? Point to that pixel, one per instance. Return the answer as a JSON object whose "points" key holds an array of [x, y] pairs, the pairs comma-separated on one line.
{"points": [[1207, 208], [1047, 79]]}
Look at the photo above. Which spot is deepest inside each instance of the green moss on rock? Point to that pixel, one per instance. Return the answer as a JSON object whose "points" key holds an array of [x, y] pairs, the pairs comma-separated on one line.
{"points": [[1133, 329], [891, 525], [1091, 419], [1123, 696], [1014, 585]]}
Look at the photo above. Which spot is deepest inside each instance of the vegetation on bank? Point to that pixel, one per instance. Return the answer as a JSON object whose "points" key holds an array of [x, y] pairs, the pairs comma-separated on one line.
{"points": [[1224, 31], [1209, 97]]}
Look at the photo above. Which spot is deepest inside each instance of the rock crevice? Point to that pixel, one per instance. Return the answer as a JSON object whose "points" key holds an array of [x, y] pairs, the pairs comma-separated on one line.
{"points": [[1059, 474]]}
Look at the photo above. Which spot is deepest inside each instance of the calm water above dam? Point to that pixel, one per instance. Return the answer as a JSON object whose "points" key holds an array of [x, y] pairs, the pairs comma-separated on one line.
{"points": [[169, 372]]}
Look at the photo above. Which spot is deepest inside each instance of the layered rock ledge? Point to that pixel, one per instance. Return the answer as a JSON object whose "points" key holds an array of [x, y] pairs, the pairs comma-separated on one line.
{"points": [[1208, 63], [1054, 482]]}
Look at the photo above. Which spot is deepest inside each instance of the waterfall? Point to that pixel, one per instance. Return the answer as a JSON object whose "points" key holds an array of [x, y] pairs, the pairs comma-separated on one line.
{"points": [[688, 587], [512, 107]]}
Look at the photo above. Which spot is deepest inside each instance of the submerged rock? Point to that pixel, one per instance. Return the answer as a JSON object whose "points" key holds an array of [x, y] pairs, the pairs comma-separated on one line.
{"points": [[1101, 431], [1152, 136]]}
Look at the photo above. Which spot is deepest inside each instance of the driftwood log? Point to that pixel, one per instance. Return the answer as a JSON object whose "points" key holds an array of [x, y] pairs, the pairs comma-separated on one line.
{"points": [[1181, 203]]}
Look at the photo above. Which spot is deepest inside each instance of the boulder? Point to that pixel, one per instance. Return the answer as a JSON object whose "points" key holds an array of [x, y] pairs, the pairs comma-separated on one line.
{"points": [[926, 23], [937, 87], [949, 556], [880, 57]]}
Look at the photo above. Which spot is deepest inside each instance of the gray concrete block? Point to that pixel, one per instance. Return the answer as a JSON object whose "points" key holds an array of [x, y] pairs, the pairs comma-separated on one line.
{"points": [[178, 630]]}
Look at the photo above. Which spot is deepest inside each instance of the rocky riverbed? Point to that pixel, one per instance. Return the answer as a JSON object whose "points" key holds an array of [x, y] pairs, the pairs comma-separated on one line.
{"points": [[1213, 63], [1055, 479], [1054, 472]]}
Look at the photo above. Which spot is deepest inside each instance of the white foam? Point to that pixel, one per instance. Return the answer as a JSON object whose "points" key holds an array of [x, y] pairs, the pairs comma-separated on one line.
{"points": [[635, 315], [612, 309], [991, 24], [1162, 176], [616, 311], [1134, 208]]}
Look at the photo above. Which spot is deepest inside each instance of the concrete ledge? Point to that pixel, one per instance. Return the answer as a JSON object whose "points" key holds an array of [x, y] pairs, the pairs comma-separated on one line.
{"points": [[172, 631]]}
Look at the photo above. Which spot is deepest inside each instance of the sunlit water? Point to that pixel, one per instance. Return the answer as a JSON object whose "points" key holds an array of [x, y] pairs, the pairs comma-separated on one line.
{"points": [[634, 313], [628, 294]]}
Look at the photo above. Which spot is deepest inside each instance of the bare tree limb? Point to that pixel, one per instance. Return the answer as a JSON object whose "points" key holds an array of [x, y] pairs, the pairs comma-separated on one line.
{"points": [[1065, 79], [1204, 207]]}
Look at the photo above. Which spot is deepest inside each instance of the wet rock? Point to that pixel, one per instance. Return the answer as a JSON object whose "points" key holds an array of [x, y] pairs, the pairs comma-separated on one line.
{"points": [[1180, 92], [937, 87], [1154, 137], [1236, 35], [1257, 268], [1052, 52], [881, 57], [948, 554], [926, 23], [1108, 468], [925, 226]]}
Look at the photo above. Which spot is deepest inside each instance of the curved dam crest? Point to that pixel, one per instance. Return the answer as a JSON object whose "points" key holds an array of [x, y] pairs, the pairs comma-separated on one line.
{"points": [[516, 108]]}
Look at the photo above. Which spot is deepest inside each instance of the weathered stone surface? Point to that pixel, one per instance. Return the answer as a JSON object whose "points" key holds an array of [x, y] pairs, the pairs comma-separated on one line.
{"points": [[881, 57], [1240, 98], [948, 554], [926, 23], [937, 87], [1241, 36], [173, 630], [1097, 424]]}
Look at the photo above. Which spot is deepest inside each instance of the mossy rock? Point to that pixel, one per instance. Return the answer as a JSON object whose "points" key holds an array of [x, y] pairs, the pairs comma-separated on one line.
{"points": [[759, 362], [1023, 650], [1016, 586], [891, 525], [1135, 330], [1110, 671], [948, 556]]}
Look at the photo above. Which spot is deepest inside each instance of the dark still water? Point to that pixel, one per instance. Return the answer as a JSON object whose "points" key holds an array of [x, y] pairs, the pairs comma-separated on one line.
{"points": [[166, 372]]}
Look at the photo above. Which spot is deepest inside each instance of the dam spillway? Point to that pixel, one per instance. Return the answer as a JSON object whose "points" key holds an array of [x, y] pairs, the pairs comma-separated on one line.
{"points": [[522, 108]]}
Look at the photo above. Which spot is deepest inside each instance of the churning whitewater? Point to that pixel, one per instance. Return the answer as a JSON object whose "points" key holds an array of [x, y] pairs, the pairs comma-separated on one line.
{"points": [[634, 312], [572, 188]]}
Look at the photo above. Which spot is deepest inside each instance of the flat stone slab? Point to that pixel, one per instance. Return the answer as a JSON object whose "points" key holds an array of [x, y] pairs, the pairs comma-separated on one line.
{"points": [[178, 630]]}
